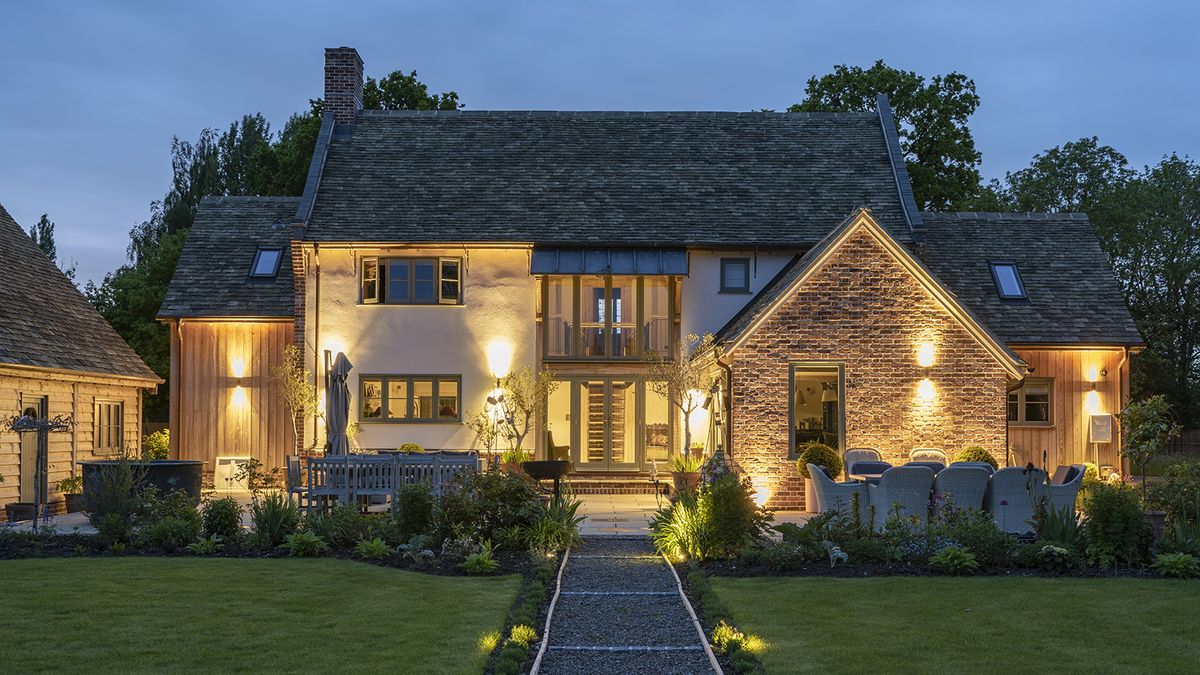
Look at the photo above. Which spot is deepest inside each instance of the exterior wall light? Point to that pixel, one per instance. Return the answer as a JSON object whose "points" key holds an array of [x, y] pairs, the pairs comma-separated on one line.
{"points": [[925, 355], [925, 390], [499, 357], [1091, 402], [237, 366]]}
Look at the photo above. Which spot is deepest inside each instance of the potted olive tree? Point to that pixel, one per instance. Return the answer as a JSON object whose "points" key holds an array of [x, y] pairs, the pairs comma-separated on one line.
{"points": [[71, 488], [522, 395], [823, 456], [682, 381], [1147, 428]]}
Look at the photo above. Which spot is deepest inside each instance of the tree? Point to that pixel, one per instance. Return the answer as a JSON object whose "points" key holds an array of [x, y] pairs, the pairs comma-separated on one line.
{"points": [[397, 91], [1150, 228], [293, 383], [1074, 177], [939, 150], [43, 235], [677, 379], [1147, 429], [526, 392]]}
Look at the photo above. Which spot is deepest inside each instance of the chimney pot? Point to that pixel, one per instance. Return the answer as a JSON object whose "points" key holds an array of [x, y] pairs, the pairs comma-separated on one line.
{"points": [[343, 83]]}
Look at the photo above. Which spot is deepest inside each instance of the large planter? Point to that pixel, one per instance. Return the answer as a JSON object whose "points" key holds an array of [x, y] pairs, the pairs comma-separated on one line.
{"points": [[74, 502], [810, 496], [513, 468], [1158, 523], [15, 511], [166, 475], [685, 480]]}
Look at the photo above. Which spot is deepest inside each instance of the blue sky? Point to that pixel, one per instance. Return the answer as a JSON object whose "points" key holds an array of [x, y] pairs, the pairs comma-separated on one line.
{"points": [[91, 94]]}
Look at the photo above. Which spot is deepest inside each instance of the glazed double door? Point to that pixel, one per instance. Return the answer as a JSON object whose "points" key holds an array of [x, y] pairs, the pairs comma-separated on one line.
{"points": [[607, 425]]}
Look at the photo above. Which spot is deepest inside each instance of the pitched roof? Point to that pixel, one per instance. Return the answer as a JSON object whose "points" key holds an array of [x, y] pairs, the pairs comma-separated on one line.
{"points": [[1073, 294], [213, 275], [801, 269], [605, 178], [45, 322]]}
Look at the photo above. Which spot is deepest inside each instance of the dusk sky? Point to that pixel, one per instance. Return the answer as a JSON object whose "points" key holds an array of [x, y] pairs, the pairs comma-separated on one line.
{"points": [[91, 93]]}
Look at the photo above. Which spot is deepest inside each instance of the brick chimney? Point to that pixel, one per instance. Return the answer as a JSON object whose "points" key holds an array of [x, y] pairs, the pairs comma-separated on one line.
{"points": [[343, 83]]}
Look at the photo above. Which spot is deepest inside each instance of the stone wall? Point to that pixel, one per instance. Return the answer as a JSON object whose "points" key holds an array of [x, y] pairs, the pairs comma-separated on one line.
{"points": [[865, 311]]}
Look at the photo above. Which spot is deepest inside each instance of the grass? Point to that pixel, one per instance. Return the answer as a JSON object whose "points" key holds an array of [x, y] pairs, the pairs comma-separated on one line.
{"points": [[975, 625], [220, 615]]}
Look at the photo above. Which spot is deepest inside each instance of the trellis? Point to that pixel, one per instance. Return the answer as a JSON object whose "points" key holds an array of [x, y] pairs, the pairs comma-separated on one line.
{"points": [[28, 424]]}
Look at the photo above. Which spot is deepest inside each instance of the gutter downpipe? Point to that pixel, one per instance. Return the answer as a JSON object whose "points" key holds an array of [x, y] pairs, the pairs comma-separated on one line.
{"points": [[1007, 445], [316, 329], [728, 405]]}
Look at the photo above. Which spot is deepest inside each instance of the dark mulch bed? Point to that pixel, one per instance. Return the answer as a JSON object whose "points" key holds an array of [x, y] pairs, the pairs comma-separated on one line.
{"points": [[17, 545], [736, 568]]}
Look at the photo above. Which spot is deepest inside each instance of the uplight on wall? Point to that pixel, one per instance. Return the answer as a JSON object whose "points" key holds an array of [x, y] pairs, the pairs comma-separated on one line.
{"points": [[1091, 402], [499, 357], [925, 390], [237, 367], [762, 490], [925, 355]]}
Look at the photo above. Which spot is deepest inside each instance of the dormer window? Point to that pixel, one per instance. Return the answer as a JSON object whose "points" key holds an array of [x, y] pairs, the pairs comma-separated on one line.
{"points": [[266, 263], [1008, 281]]}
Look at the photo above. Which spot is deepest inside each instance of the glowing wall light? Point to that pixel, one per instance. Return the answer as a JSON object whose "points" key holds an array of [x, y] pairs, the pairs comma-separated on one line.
{"points": [[240, 400], [762, 490], [1091, 402], [925, 355], [499, 357], [1093, 374], [925, 390], [237, 367]]}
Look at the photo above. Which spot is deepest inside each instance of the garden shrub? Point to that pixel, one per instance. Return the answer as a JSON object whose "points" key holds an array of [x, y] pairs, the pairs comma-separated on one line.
{"points": [[373, 549], [157, 445], [717, 521], [341, 527], [974, 453], [414, 510], [1116, 530], [976, 531], [169, 534], [305, 545], [274, 518], [954, 560], [1180, 537], [477, 506], [411, 447], [1177, 565], [112, 508], [1062, 527], [221, 517], [523, 635], [556, 529], [112, 527], [1048, 557], [820, 454], [206, 545], [176, 504], [481, 562], [1178, 493]]}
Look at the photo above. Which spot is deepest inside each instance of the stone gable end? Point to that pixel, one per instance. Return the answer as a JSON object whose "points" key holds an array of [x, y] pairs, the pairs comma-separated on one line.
{"points": [[865, 310]]}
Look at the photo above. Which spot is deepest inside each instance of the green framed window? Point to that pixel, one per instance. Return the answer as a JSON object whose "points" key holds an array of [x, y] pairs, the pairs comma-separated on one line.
{"points": [[411, 281], [1032, 404], [608, 317], [410, 398], [109, 426]]}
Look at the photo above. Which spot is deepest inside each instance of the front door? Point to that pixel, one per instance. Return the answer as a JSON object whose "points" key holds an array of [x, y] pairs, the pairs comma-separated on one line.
{"points": [[608, 424], [35, 407]]}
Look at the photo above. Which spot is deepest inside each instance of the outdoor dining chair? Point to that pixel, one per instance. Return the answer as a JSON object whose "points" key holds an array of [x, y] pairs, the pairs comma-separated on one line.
{"points": [[855, 455], [963, 486], [1064, 487], [927, 455], [834, 496], [295, 488], [982, 465], [906, 488], [1011, 495]]}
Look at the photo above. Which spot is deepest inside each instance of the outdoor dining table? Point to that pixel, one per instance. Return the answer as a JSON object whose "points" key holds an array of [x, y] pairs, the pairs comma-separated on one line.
{"points": [[872, 478]]}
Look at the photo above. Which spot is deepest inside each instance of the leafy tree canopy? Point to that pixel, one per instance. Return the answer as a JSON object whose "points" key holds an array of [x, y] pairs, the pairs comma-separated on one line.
{"points": [[1075, 176], [932, 115], [42, 234]]}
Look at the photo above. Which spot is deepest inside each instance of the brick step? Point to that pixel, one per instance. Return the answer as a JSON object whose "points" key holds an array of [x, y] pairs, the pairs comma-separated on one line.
{"points": [[616, 484]]}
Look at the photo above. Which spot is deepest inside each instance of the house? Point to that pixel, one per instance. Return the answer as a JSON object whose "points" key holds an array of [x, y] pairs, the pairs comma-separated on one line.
{"points": [[59, 357], [439, 250]]}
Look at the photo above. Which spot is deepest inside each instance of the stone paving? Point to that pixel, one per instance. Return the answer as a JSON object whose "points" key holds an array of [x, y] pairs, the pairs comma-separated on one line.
{"points": [[622, 515], [619, 611]]}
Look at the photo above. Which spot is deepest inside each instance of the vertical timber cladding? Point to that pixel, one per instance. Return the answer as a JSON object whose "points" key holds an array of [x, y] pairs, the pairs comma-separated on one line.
{"points": [[1067, 439], [864, 310], [227, 404]]}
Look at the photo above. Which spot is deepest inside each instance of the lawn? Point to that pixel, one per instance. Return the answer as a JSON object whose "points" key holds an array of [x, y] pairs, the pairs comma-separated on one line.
{"points": [[976, 625], [219, 615]]}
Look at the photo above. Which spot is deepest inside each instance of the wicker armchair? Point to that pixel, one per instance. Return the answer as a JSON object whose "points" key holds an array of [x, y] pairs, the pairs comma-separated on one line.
{"points": [[1009, 500], [905, 487], [834, 496], [927, 455], [982, 465], [964, 486], [1065, 490], [854, 455]]}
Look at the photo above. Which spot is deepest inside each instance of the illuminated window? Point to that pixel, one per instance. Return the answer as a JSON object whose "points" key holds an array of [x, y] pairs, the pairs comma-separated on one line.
{"points": [[607, 316], [817, 405], [411, 398], [266, 262], [735, 275], [411, 281], [1032, 404], [1008, 281], [109, 426]]}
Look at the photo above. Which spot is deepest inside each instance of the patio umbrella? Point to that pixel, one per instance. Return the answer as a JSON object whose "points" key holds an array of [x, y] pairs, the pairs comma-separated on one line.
{"points": [[337, 405]]}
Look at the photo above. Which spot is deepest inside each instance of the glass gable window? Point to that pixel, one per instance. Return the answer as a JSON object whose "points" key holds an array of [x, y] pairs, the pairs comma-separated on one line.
{"points": [[266, 262], [411, 281], [1033, 403], [817, 406], [1008, 281], [735, 275], [607, 317], [411, 398]]}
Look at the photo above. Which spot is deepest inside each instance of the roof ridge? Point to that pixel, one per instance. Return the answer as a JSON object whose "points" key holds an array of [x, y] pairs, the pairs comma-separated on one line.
{"points": [[608, 113], [1004, 215], [217, 199]]}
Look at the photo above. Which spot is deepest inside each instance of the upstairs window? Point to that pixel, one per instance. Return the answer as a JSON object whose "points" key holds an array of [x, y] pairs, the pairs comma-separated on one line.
{"points": [[1008, 281], [411, 281], [266, 263], [735, 275], [1032, 404]]}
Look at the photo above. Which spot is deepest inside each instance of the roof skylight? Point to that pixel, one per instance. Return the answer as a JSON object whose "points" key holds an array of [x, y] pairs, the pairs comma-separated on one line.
{"points": [[1008, 281], [266, 262]]}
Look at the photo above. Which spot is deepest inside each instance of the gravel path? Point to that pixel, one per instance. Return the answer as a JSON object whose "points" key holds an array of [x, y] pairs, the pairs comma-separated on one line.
{"points": [[620, 612]]}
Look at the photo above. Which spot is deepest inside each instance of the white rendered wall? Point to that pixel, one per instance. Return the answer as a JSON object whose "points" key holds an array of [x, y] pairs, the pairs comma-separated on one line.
{"points": [[704, 308], [498, 305]]}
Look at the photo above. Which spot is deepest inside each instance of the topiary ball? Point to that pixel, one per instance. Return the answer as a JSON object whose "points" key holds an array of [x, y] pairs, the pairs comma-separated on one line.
{"points": [[974, 453], [820, 454]]}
